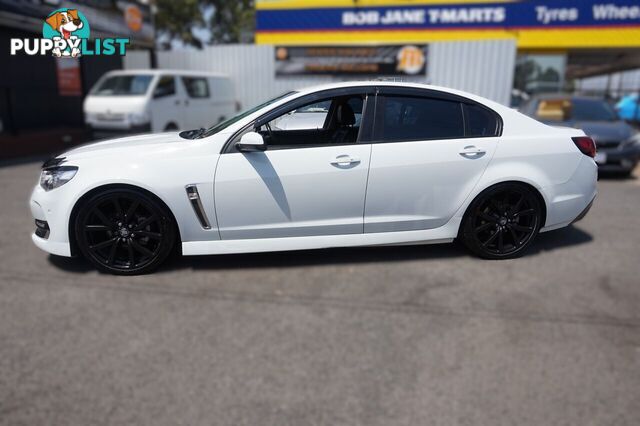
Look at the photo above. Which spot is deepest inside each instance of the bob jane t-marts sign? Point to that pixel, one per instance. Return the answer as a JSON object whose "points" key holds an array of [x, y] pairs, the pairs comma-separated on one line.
{"points": [[351, 60]]}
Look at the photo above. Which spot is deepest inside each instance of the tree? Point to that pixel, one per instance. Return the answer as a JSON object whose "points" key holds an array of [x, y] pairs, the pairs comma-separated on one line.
{"points": [[226, 21]]}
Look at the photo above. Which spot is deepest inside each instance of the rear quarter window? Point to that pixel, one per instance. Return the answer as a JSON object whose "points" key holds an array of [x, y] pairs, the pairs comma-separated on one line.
{"points": [[480, 121]]}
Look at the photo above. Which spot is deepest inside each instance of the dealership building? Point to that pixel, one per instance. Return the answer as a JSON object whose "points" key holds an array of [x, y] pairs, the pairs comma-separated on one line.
{"points": [[556, 41]]}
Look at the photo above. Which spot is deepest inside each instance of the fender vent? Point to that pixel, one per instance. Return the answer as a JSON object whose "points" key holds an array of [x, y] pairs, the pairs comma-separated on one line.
{"points": [[194, 199]]}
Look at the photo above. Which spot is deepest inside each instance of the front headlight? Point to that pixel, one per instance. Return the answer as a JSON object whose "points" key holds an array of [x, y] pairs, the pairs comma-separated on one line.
{"points": [[54, 177]]}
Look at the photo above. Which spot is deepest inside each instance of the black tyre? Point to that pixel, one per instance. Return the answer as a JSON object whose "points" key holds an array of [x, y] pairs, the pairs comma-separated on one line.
{"points": [[502, 222], [124, 231]]}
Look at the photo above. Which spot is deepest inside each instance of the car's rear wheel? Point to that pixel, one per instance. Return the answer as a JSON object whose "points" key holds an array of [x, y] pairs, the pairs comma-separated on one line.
{"points": [[502, 222], [124, 231]]}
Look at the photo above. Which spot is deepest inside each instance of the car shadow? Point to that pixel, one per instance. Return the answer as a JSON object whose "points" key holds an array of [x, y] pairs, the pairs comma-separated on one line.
{"points": [[556, 240]]}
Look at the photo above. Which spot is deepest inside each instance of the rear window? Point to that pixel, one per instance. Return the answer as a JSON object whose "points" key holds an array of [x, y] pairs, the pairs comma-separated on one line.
{"points": [[414, 118]]}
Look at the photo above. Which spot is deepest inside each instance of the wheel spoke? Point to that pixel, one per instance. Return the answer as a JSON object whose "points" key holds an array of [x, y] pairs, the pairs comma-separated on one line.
{"points": [[526, 212], [518, 203], [496, 206], [102, 217], [522, 228], [144, 223], [141, 249], [103, 244], [154, 235], [484, 226], [112, 252], [93, 228], [516, 240], [491, 238], [132, 261], [116, 204], [488, 217], [500, 241], [131, 210]]}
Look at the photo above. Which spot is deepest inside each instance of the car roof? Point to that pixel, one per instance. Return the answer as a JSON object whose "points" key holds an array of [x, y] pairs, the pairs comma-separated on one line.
{"points": [[166, 71]]}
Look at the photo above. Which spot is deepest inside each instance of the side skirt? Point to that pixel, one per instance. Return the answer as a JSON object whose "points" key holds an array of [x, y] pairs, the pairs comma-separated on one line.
{"points": [[444, 234]]}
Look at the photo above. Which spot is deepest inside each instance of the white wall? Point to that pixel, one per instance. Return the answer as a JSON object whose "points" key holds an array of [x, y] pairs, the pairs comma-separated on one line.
{"points": [[481, 67]]}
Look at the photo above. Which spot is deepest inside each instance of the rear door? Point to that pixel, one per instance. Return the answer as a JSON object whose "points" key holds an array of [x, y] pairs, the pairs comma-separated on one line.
{"points": [[429, 151]]}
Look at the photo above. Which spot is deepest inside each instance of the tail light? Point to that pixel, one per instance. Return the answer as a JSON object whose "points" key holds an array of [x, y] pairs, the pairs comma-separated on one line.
{"points": [[586, 145]]}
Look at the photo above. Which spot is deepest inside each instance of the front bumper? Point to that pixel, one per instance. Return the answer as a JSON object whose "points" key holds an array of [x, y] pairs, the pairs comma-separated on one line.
{"points": [[47, 207]]}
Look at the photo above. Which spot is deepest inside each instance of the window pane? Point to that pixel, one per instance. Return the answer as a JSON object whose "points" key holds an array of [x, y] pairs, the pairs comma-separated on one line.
{"points": [[409, 118], [308, 117], [480, 121], [196, 87], [166, 87]]}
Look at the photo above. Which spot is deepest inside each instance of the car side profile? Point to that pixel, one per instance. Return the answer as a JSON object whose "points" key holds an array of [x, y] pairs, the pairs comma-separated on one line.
{"points": [[347, 164]]}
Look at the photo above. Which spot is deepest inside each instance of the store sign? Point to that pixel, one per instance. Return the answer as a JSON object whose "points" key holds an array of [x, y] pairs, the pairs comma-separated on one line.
{"points": [[351, 60], [561, 13]]}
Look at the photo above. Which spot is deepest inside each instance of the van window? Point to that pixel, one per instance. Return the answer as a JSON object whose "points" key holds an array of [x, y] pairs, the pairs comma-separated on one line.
{"points": [[166, 87], [197, 87], [123, 85]]}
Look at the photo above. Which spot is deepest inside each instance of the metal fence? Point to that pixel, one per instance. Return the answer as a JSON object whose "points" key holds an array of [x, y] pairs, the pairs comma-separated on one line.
{"points": [[481, 67]]}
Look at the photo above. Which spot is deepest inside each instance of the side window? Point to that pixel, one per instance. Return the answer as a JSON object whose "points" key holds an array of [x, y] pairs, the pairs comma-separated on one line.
{"points": [[307, 117], [407, 118], [197, 87], [321, 122], [166, 87], [480, 121]]}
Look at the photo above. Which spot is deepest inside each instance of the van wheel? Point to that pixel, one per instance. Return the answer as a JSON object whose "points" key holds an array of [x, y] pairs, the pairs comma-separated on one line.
{"points": [[170, 127], [502, 221]]}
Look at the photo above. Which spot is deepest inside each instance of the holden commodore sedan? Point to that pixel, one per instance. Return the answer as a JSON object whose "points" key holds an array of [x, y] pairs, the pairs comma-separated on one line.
{"points": [[388, 164]]}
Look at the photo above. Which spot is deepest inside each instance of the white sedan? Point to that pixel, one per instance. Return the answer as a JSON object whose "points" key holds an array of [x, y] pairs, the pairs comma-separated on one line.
{"points": [[390, 163]]}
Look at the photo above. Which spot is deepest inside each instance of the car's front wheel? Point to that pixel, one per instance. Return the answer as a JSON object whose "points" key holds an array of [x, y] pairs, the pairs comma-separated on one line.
{"points": [[124, 231], [502, 221]]}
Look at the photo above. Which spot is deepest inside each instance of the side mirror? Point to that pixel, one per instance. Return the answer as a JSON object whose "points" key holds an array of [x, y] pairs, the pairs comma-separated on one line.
{"points": [[251, 142]]}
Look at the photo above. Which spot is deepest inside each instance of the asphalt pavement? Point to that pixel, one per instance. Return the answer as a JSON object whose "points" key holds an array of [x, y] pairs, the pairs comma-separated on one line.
{"points": [[423, 335]]}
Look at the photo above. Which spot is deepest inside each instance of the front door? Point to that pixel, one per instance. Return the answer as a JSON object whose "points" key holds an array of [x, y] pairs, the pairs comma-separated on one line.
{"points": [[310, 181]]}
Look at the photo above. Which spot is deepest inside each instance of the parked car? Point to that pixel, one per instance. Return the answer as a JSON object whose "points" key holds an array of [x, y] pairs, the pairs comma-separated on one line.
{"points": [[423, 164], [129, 102], [616, 141]]}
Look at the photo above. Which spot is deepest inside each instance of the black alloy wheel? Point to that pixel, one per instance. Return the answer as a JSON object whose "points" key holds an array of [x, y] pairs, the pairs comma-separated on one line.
{"points": [[502, 221], [125, 232]]}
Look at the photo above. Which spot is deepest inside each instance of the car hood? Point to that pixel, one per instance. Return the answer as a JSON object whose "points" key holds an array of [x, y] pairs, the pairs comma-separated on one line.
{"points": [[133, 145]]}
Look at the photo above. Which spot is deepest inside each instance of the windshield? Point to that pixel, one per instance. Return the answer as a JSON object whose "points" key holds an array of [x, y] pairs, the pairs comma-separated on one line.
{"points": [[221, 126], [565, 109], [123, 85]]}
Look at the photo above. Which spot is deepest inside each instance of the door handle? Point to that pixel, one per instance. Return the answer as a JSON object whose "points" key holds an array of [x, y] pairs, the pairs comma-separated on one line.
{"points": [[472, 152], [344, 160]]}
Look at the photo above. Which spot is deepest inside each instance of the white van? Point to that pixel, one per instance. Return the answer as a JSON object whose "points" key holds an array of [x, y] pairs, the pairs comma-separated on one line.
{"points": [[140, 101]]}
